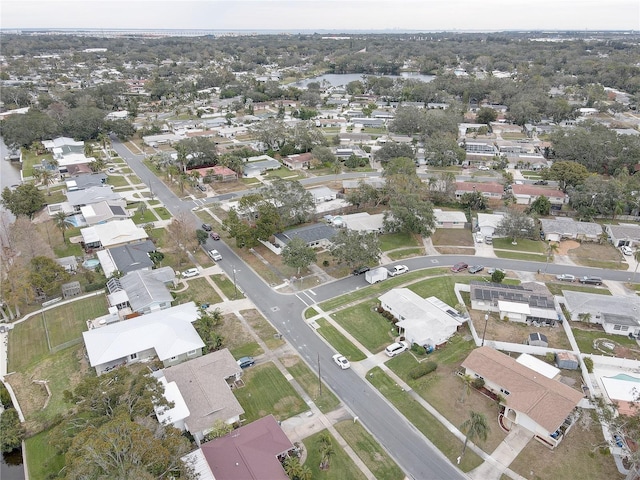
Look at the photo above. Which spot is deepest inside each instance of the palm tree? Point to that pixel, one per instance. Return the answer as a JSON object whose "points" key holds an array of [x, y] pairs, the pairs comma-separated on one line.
{"points": [[60, 220], [88, 149], [476, 427], [466, 388], [552, 248], [326, 451]]}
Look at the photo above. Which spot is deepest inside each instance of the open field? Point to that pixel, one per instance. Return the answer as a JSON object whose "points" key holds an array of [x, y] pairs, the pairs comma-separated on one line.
{"points": [[266, 391], [392, 241], [523, 245], [43, 459], [341, 466]]}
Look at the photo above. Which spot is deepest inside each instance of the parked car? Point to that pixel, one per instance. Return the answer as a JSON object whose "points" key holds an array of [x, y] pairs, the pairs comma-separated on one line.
{"points": [[488, 239], [591, 280], [202, 188], [342, 362], [206, 227], [398, 270], [484, 168], [541, 182], [396, 348], [627, 250], [491, 271], [215, 255], [565, 277], [245, 362], [192, 272], [475, 268], [458, 267], [214, 236], [360, 270]]}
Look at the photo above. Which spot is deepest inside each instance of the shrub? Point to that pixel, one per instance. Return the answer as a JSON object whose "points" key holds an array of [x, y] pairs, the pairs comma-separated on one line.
{"points": [[588, 362], [550, 357], [418, 349], [477, 383], [5, 398], [422, 369]]}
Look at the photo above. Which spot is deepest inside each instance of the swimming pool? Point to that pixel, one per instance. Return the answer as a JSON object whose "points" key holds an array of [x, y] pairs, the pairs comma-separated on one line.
{"points": [[92, 263], [626, 378]]}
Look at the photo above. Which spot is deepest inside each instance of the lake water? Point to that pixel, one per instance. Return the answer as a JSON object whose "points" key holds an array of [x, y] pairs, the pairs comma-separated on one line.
{"points": [[336, 79], [11, 467]]}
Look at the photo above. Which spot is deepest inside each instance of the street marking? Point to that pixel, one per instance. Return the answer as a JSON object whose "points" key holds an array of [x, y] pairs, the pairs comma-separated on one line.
{"points": [[299, 298], [312, 292], [435, 261]]}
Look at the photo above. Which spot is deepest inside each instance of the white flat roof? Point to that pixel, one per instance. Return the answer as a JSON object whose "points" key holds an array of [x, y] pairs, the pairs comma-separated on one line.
{"points": [[522, 308], [179, 411], [543, 368]]}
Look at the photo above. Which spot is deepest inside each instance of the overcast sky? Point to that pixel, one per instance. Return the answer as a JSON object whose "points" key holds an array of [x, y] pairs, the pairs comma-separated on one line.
{"points": [[343, 15]]}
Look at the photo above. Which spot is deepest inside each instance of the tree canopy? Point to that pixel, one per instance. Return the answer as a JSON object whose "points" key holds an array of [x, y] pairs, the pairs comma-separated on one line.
{"points": [[26, 199]]}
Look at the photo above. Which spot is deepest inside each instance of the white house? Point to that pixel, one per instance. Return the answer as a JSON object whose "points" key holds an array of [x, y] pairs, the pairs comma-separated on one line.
{"points": [[488, 222], [166, 334], [449, 218], [427, 322], [527, 398], [527, 194], [360, 222], [112, 234]]}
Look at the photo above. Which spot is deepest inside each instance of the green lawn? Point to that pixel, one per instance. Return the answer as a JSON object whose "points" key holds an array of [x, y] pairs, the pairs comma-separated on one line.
{"points": [[199, 291], [283, 173], [369, 451], [585, 338], [310, 312], [339, 341], [117, 181], [251, 349], [532, 257], [28, 340], [266, 391], [341, 466], [557, 287], [524, 245], [263, 329], [146, 217], [444, 440], [308, 380], [369, 327], [391, 241], [406, 253], [163, 213], [44, 462], [227, 287], [441, 287]]}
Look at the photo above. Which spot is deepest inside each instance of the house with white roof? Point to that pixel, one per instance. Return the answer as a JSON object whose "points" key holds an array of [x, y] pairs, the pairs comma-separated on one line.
{"points": [[79, 198], [103, 212], [112, 234], [167, 334], [362, 222], [428, 322], [488, 222], [449, 218]]}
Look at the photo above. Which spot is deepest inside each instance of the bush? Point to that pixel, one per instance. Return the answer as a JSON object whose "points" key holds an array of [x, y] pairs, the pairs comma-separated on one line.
{"points": [[477, 383], [418, 349], [422, 370], [588, 362], [5, 398]]}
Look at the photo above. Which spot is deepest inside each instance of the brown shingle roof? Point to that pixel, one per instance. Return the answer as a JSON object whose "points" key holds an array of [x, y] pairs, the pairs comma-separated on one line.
{"points": [[545, 401], [480, 187], [249, 453], [534, 190]]}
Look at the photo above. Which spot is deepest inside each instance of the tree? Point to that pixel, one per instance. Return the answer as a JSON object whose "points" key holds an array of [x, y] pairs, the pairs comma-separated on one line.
{"points": [[25, 199], [475, 427], [198, 152], [46, 275], [121, 128], [567, 174], [238, 229], [45, 176], [473, 200], [293, 201], [497, 276], [206, 326], [486, 115], [11, 430], [552, 248], [269, 221], [515, 224], [180, 237], [356, 249], [272, 133], [297, 255], [60, 220], [201, 236], [325, 447], [296, 471], [540, 206], [442, 150], [392, 150]]}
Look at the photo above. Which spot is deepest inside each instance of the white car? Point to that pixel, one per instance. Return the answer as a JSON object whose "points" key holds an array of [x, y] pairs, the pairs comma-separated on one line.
{"points": [[627, 250], [484, 168], [396, 348], [215, 255], [342, 362], [192, 272], [398, 270]]}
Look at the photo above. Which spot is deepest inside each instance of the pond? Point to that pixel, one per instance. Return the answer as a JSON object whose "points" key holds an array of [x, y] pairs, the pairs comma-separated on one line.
{"points": [[11, 467], [335, 79]]}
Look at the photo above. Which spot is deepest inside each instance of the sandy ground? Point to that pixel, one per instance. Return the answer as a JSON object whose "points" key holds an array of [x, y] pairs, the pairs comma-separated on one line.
{"points": [[566, 245]]}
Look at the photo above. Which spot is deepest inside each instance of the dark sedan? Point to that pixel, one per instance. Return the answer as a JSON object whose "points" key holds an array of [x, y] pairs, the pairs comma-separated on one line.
{"points": [[458, 267]]}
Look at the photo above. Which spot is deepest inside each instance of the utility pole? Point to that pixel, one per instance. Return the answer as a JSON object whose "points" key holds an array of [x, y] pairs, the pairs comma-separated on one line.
{"points": [[319, 377]]}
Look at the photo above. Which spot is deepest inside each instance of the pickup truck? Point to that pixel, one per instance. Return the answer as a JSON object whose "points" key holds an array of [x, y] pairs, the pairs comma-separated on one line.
{"points": [[398, 270]]}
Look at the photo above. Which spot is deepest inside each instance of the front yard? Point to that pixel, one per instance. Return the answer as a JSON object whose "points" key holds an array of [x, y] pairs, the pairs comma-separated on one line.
{"points": [[340, 466], [599, 256], [369, 327]]}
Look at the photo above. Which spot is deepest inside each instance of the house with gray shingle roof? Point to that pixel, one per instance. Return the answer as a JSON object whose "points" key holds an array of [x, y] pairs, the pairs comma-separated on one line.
{"points": [[146, 290], [556, 229], [624, 234], [617, 315], [127, 258], [316, 235]]}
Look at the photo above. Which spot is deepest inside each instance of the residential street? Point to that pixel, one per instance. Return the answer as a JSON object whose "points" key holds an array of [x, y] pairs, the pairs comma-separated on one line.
{"points": [[409, 447]]}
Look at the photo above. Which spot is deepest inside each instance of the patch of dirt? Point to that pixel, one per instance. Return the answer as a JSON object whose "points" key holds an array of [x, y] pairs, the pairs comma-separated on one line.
{"points": [[289, 360], [566, 245]]}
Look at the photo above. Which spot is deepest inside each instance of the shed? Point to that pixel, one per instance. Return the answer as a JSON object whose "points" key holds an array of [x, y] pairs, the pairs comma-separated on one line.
{"points": [[537, 339], [567, 360]]}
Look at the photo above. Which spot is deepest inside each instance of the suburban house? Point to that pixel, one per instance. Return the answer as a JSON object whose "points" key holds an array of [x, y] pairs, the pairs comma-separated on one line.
{"points": [[127, 258], [103, 212], [449, 218], [204, 387], [527, 194], [218, 172], [488, 222], [527, 397], [82, 182], [251, 452], [259, 165], [316, 235], [624, 234], [161, 139], [556, 229], [428, 322], [66, 151], [528, 302], [345, 152], [79, 198], [298, 161], [322, 194], [360, 222], [488, 190], [112, 234], [617, 315], [142, 291], [376, 182], [483, 147], [166, 334]]}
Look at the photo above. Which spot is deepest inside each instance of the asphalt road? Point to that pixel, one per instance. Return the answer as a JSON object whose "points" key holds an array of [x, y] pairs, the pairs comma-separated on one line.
{"points": [[410, 449]]}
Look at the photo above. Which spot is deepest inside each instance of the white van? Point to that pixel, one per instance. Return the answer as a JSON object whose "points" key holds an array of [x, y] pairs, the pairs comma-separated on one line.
{"points": [[396, 348]]}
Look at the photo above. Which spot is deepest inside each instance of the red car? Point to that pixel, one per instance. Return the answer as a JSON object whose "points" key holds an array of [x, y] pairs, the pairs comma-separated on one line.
{"points": [[214, 236], [458, 267]]}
